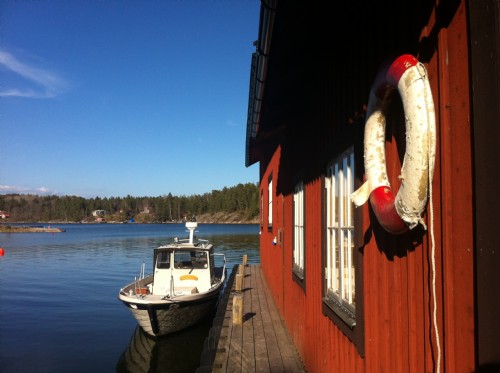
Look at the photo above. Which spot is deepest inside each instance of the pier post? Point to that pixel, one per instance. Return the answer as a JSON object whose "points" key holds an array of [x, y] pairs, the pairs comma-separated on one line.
{"points": [[238, 296], [238, 286], [238, 309]]}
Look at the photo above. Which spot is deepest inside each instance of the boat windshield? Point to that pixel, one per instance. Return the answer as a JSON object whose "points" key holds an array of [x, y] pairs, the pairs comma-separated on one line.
{"points": [[163, 260], [190, 259]]}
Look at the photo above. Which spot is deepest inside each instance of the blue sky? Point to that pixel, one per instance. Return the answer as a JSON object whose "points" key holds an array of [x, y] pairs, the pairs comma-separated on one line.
{"points": [[114, 98]]}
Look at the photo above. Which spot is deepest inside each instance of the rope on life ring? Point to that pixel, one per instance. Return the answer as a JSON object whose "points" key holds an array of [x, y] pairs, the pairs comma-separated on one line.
{"points": [[397, 214]]}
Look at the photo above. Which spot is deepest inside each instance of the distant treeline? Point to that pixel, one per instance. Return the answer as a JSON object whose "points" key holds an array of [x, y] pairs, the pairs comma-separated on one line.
{"points": [[242, 198]]}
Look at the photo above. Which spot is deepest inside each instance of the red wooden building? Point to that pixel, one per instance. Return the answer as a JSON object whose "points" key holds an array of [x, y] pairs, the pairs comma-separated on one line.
{"points": [[354, 297]]}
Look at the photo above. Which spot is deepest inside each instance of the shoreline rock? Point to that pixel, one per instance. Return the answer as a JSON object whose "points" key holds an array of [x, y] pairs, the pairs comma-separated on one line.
{"points": [[28, 229]]}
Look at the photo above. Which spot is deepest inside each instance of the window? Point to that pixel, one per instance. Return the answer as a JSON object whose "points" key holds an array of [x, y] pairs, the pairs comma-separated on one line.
{"points": [[270, 203], [182, 259], [340, 269], [191, 259], [199, 259], [163, 259], [298, 230]]}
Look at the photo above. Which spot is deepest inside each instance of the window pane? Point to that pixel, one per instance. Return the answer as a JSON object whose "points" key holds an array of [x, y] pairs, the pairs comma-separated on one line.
{"points": [[336, 194], [298, 229], [339, 269], [346, 265], [163, 259], [270, 203], [351, 189]]}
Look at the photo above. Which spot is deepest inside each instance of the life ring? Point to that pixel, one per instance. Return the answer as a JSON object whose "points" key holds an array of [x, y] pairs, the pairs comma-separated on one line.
{"points": [[403, 212]]}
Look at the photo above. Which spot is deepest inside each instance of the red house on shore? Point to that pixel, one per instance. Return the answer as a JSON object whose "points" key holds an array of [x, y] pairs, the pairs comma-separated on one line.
{"points": [[355, 297]]}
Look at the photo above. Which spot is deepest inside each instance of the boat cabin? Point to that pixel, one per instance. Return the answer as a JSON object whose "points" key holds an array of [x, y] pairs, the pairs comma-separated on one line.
{"points": [[185, 270]]}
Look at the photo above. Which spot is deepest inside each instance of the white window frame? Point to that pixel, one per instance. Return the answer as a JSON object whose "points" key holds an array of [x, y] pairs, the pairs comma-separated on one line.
{"points": [[270, 203], [298, 229], [340, 269]]}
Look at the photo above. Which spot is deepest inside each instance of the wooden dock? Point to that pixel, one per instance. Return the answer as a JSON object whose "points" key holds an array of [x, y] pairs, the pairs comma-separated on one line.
{"points": [[261, 342]]}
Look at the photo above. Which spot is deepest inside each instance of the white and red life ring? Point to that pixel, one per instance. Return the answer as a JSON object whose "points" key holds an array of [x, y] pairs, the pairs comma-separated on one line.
{"points": [[397, 214]]}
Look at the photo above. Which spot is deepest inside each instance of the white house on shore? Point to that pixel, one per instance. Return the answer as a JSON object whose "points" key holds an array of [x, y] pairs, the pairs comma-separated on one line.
{"points": [[98, 213]]}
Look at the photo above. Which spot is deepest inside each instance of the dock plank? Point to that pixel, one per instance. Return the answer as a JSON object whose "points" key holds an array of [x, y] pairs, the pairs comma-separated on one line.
{"points": [[262, 342]]}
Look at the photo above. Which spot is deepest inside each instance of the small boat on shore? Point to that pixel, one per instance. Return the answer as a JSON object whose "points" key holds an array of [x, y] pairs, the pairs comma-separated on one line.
{"points": [[185, 285]]}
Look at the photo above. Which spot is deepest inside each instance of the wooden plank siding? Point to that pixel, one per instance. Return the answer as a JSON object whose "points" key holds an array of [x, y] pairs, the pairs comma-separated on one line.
{"points": [[455, 179], [398, 279]]}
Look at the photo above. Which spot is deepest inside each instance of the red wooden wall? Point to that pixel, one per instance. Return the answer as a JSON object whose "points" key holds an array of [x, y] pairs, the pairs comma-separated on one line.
{"points": [[399, 334]]}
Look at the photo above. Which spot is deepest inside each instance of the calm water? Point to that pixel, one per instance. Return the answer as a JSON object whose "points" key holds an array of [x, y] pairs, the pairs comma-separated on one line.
{"points": [[59, 310]]}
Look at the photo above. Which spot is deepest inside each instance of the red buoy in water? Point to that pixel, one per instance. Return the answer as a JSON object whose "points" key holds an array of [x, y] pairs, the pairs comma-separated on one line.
{"points": [[1, 251]]}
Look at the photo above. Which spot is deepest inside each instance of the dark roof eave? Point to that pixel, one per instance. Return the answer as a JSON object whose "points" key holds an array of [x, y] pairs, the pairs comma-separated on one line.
{"points": [[258, 72]]}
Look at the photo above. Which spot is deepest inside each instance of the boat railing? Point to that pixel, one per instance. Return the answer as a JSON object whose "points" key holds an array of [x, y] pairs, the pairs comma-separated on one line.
{"points": [[223, 256], [139, 289], [141, 272], [204, 243], [199, 241], [137, 280]]}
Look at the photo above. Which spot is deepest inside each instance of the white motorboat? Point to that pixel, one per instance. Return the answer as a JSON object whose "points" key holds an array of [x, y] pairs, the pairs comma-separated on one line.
{"points": [[184, 287]]}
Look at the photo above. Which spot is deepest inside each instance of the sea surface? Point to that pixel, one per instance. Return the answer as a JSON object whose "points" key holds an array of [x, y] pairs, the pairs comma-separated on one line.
{"points": [[59, 307]]}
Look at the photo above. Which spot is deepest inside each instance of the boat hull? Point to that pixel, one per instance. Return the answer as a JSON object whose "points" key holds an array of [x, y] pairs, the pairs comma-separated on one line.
{"points": [[170, 316]]}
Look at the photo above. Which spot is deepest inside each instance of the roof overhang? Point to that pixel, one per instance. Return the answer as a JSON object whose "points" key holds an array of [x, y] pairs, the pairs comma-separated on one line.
{"points": [[258, 72]]}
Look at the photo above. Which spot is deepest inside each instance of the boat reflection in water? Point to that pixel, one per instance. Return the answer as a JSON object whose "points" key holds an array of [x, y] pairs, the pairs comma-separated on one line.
{"points": [[177, 352]]}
